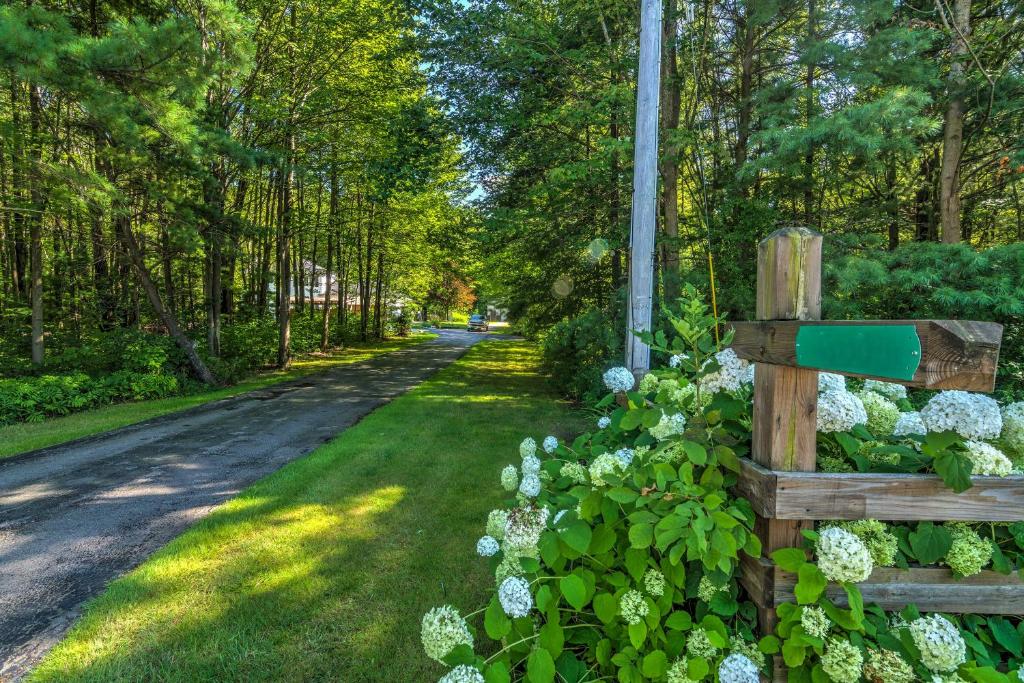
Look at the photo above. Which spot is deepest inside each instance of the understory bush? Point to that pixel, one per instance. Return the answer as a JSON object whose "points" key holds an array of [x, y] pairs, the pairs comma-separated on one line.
{"points": [[616, 555], [575, 352]]}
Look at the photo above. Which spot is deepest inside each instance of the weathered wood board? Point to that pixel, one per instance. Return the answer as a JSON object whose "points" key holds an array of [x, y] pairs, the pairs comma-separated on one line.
{"points": [[777, 494], [931, 589], [954, 354]]}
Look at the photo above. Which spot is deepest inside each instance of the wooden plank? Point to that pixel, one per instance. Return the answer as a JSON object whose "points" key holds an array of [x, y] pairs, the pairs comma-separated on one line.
{"points": [[932, 589], [785, 398], [891, 497], [955, 354]]}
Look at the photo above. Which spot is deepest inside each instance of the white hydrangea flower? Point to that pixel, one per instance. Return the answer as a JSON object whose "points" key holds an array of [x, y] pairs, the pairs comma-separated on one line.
{"points": [[679, 672], [941, 645], [883, 414], [487, 546], [633, 607], [625, 456], [654, 583], [737, 668], [528, 447], [619, 379], [603, 422], [1013, 429], [814, 621], [668, 426], [514, 596], [842, 556], [972, 416], [890, 390], [729, 376], [748, 376], [1020, 672], [550, 444], [988, 459], [677, 360], [496, 520], [524, 527], [829, 381], [530, 486], [648, 384], [463, 673], [909, 423], [510, 478], [442, 630], [531, 465], [840, 411], [603, 465], [558, 516]]}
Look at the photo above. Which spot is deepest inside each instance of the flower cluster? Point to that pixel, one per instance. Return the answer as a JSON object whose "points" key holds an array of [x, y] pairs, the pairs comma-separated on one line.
{"points": [[909, 423], [1013, 427], [891, 390], [463, 673], [510, 478], [987, 459], [550, 444], [707, 590], [528, 447], [829, 381], [648, 384], [969, 553], [633, 607], [887, 666], [668, 426], [815, 622], [732, 371], [882, 544], [842, 661], [603, 422], [487, 546], [515, 597], [530, 486], [883, 414], [603, 465], [654, 583], [524, 527], [699, 645], [941, 645], [619, 379], [737, 668], [748, 650], [840, 411], [442, 630], [496, 521], [575, 471], [679, 672], [972, 416], [842, 556]]}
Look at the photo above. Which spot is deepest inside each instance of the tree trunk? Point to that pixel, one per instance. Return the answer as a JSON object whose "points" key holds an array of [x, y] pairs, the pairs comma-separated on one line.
{"points": [[35, 221], [284, 262], [670, 104], [332, 220], [169, 321], [809, 114], [953, 128]]}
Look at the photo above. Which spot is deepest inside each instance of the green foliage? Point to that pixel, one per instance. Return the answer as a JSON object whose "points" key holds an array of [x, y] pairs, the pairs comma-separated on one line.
{"points": [[576, 352]]}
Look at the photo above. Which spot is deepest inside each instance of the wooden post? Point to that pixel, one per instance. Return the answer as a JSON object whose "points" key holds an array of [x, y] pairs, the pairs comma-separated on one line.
{"points": [[786, 398], [645, 187]]}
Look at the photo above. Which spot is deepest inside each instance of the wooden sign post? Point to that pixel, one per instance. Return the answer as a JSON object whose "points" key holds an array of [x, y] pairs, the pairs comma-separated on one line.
{"points": [[790, 345]]}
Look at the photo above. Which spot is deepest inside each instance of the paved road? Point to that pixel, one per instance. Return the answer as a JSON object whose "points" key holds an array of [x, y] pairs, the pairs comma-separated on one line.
{"points": [[74, 517]]}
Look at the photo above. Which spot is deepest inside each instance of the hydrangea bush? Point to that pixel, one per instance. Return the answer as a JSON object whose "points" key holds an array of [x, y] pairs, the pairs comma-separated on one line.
{"points": [[616, 555]]}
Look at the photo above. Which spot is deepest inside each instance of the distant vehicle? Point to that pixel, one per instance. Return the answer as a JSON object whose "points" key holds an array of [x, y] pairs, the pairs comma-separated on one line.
{"points": [[477, 323]]}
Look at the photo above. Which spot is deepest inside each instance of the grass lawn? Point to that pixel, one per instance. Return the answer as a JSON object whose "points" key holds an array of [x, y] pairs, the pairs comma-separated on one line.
{"points": [[23, 437], [323, 570]]}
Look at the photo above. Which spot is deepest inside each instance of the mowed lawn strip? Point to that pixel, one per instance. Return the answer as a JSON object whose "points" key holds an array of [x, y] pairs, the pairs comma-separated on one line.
{"points": [[322, 571], [24, 437]]}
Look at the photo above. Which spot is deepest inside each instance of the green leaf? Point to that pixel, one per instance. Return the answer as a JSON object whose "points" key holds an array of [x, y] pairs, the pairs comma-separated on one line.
{"points": [[574, 590], [1006, 635], [606, 607], [790, 559], [497, 673], [638, 634], [540, 667], [793, 653], [641, 535], [496, 624], [954, 468], [929, 542], [679, 621], [655, 665], [632, 419], [551, 638], [983, 674], [577, 536], [696, 453], [848, 443], [621, 494], [810, 585], [856, 602], [769, 645]]}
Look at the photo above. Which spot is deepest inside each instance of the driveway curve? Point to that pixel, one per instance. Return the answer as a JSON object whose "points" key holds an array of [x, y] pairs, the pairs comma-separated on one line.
{"points": [[74, 517]]}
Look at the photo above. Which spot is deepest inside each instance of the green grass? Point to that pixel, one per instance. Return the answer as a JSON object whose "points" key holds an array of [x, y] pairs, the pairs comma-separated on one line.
{"points": [[322, 571], [23, 437]]}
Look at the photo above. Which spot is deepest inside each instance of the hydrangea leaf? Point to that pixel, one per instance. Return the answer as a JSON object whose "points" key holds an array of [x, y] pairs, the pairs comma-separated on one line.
{"points": [[696, 453], [983, 674], [570, 668], [697, 668], [679, 621], [929, 542], [638, 634], [954, 468], [810, 584], [641, 535], [1006, 635], [496, 623], [789, 559], [551, 637], [606, 607], [460, 654], [497, 673], [655, 664], [574, 590], [793, 653], [577, 536], [540, 667]]}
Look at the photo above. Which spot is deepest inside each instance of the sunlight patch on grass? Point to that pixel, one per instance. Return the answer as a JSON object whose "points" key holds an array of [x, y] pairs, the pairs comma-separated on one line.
{"points": [[323, 570]]}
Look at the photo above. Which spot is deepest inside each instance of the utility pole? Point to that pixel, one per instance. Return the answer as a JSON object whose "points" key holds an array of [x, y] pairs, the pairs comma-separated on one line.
{"points": [[645, 187]]}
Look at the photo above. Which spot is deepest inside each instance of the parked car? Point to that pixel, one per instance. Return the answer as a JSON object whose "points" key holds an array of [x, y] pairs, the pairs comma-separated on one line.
{"points": [[477, 323]]}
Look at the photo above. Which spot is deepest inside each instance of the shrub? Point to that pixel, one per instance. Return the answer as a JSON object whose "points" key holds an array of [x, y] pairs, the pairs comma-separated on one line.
{"points": [[576, 352]]}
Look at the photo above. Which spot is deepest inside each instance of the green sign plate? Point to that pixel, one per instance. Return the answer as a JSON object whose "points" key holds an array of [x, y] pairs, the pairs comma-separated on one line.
{"points": [[892, 351]]}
